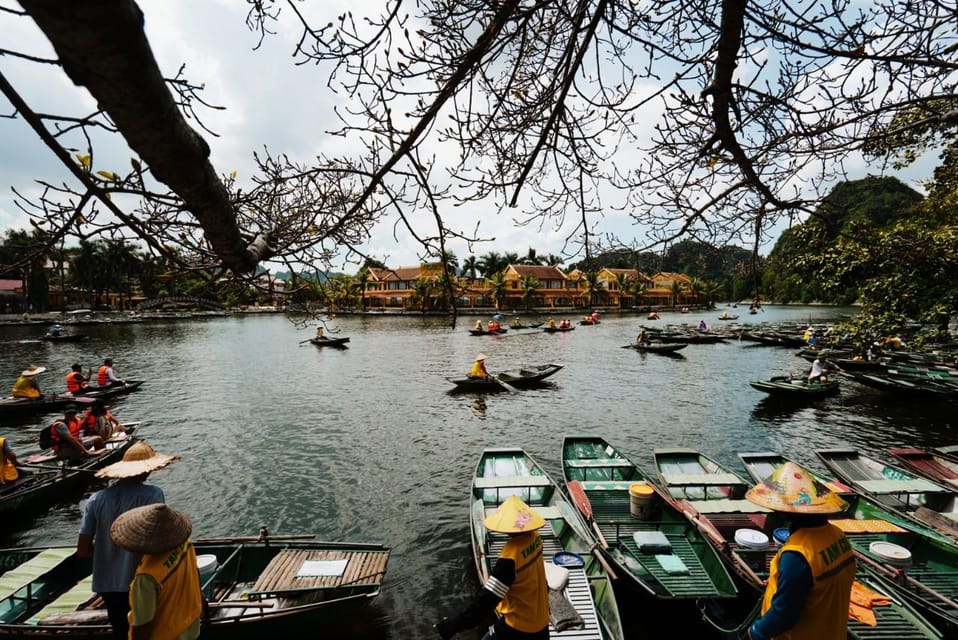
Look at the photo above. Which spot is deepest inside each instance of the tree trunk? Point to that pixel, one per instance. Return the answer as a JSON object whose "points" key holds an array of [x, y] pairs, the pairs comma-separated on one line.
{"points": [[102, 46]]}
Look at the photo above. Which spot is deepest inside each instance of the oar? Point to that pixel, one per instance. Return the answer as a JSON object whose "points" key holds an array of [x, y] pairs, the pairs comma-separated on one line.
{"points": [[505, 385], [585, 506], [60, 469]]}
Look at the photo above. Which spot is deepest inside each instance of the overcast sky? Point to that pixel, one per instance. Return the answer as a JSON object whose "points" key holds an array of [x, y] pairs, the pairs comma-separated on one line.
{"points": [[269, 102]]}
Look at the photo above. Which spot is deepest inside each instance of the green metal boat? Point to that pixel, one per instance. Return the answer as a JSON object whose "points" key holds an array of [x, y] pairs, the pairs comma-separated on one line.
{"points": [[598, 478], [253, 588], [501, 473]]}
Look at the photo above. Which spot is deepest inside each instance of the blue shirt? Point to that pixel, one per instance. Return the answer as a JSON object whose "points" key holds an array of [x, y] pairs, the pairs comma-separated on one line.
{"points": [[113, 567]]}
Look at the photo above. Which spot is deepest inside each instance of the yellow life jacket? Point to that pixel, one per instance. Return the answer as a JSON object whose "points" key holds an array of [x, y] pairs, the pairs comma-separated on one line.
{"points": [[26, 387], [179, 602], [478, 370], [8, 472], [832, 561], [526, 605]]}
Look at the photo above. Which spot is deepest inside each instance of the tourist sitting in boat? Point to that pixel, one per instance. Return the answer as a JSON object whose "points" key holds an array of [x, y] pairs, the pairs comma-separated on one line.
{"points": [[77, 383], [57, 330], [478, 325], [99, 421], [820, 369], [724, 315], [69, 441], [552, 323], [106, 377], [653, 316], [515, 323], [493, 325], [810, 579], [319, 333], [8, 462], [517, 588], [479, 368], [26, 385], [165, 596], [703, 326], [642, 338]]}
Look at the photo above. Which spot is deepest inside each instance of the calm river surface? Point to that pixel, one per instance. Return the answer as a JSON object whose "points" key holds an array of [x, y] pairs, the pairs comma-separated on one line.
{"points": [[367, 444]]}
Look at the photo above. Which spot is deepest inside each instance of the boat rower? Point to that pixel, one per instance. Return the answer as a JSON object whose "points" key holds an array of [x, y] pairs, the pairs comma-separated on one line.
{"points": [[76, 382], [106, 377], [26, 385], [479, 368]]}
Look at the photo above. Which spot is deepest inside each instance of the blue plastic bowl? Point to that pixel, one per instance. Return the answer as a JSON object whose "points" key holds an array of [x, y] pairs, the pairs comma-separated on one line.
{"points": [[781, 535], [568, 559]]}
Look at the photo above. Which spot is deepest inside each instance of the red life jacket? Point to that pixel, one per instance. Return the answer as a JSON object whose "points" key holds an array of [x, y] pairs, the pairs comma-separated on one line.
{"points": [[75, 426], [75, 382], [102, 378]]}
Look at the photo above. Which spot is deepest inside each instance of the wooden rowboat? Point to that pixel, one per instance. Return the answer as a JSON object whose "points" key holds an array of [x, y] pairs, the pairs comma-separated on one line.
{"points": [[254, 591], [501, 473], [795, 388], [66, 337], [50, 403], [930, 584], [934, 466], [330, 342], [598, 478], [522, 378], [38, 488], [657, 347], [558, 329]]}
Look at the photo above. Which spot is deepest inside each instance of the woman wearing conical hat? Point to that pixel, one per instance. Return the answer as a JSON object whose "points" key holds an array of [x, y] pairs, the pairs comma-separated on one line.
{"points": [[26, 385], [517, 587], [810, 578]]}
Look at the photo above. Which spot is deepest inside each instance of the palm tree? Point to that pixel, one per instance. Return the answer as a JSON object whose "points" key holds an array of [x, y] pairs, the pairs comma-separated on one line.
{"points": [[553, 260], [421, 287], [713, 291], [677, 290], [637, 288], [696, 289], [509, 258], [490, 264], [529, 286], [451, 262], [622, 281], [470, 266], [532, 258], [497, 288], [362, 281], [592, 287]]}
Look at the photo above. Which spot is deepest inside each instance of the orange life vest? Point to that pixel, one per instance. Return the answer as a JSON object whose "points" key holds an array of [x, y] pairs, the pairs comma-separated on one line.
{"points": [[8, 472], [74, 383], [102, 378], [75, 426], [179, 601]]}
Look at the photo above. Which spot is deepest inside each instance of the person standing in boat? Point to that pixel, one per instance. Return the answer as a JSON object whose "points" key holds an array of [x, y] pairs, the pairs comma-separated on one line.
{"points": [[479, 368], [642, 338], [77, 383], [113, 567], [165, 596], [8, 462], [517, 587], [106, 376], [810, 578], [69, 443], [26, 385]]}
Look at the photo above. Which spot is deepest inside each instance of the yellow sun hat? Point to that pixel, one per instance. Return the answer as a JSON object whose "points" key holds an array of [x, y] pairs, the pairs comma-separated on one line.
{"points": [[514, 516], [792, 489]]}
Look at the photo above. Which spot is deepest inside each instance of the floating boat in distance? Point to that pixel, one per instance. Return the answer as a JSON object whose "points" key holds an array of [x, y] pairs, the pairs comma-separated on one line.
{"points": [[257, 587], [558, 329], [522, 378], [329, 342], [65, 337], [501, 473], [652, 543], [49, 403], [657, 347]]}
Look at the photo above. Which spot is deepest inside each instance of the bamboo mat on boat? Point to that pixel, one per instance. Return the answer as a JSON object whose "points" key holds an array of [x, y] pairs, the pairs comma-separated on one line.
{"points": [[362, 568]]}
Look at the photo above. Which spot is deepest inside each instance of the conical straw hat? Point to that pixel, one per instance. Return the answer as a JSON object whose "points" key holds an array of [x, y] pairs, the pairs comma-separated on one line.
{"points": [[140, 458], [154, 528], [32, 370], [792, 489], [481, 356], [514, 516]]}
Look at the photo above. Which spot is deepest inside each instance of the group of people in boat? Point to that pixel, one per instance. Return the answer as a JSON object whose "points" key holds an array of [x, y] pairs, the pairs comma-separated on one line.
{"points": [[492, 325], [77, 384], [565, 323]]}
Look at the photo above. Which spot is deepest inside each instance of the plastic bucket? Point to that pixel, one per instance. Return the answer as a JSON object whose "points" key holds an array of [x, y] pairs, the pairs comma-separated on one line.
{"points": [[753, 545], [640, 500], [780, 536], [207, 564]]}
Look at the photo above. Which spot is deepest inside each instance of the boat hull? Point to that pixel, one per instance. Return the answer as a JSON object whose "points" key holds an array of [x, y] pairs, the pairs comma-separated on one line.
{"points": [[523, 378]]}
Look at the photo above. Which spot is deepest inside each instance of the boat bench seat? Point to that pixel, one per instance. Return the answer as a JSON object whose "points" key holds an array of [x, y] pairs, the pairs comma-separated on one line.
{"points": [[19, 577], [363, 569], [899, 486], [504, 482], [597, 462], [610, 485], [549, 513], [700, 479], [72, 600], [726, 505]]}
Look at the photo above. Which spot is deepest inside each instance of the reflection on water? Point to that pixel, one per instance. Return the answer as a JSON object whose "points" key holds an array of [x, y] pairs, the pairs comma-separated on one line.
{"points": [[365, 443]]}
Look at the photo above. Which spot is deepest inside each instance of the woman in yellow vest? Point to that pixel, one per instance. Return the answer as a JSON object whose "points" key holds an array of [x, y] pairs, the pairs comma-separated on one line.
{"points": [[517, 586], [8, 462], [810, 578], [26, 385], [479, 368], [165, 598]]}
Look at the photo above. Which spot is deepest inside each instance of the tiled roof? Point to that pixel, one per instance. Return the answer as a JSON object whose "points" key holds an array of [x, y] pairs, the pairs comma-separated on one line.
{"points": [[538, 272], [404, 274]]}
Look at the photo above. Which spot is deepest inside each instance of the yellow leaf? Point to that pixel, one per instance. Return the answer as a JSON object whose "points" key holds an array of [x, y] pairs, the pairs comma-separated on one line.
{"points": [[84, 161], [233, 175], [109, 175], [712, 161]]}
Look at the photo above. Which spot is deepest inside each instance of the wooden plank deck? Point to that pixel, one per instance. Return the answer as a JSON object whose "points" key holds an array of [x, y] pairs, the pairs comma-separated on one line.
{"points": [[364, 568]]}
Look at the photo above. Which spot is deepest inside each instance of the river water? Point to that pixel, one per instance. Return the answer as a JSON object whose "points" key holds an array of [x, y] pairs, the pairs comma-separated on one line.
{"points": [[367, 443]]}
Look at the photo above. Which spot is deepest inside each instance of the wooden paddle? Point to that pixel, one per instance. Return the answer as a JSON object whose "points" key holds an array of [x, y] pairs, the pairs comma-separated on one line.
{"points": [[44, 467], [585, 506], [502, 383]]}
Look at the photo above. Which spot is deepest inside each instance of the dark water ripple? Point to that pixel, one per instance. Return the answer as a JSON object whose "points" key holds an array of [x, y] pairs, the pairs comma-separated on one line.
{"points": [[368, 444]]}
